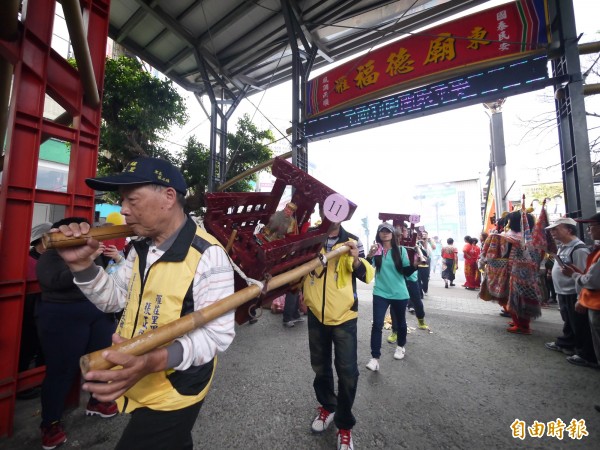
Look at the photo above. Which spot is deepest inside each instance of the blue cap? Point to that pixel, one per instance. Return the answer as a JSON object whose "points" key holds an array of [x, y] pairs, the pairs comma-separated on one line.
{"points": [[142, 171]]}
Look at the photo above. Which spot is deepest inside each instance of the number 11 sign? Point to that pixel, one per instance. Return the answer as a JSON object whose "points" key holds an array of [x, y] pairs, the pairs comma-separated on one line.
{"points": [[336, 208]]}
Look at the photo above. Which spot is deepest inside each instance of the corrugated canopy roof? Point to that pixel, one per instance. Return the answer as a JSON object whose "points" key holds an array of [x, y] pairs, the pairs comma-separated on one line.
{"points": [[246, 41]]}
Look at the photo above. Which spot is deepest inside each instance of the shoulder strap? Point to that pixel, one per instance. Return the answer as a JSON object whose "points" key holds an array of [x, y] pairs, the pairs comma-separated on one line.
{"points": [[575, 247]]}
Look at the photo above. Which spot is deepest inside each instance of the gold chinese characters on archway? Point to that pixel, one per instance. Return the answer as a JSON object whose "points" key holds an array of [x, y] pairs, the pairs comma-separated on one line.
{"points": [[473, 42]]}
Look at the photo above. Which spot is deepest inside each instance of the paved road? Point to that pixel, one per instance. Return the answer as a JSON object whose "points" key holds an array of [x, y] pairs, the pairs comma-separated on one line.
{"points": [[459, 387]]}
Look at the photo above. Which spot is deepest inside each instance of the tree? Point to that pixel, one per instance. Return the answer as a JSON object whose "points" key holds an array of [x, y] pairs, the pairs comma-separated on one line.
{"points": [[137, 108], [247, 147]]}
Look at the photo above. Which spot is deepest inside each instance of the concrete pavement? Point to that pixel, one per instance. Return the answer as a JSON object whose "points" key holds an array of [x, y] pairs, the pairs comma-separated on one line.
{"points": [[460, 387]]}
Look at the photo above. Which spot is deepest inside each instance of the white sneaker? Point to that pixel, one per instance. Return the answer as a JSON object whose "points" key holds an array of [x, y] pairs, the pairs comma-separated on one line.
{"points": [[344, 440], [399, 353], [373, 364], [322, 421]]}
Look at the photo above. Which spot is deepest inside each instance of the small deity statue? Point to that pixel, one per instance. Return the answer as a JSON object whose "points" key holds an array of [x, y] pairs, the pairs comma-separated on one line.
{"points": [[281, 223]]}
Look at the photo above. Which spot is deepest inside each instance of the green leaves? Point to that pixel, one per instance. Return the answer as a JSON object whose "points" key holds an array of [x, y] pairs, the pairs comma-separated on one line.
{"points": [[139, 108]]}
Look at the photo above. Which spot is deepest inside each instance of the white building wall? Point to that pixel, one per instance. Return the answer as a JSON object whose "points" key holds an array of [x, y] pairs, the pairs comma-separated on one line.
{"points": [[450, 209]]}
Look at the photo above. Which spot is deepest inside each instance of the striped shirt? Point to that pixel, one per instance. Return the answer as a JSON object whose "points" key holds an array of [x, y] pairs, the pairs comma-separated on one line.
{"points": [[213, 281]]}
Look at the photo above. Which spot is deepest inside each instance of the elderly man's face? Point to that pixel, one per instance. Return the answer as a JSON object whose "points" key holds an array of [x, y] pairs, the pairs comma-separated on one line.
{"points": [[147, 208], [560, 233]]}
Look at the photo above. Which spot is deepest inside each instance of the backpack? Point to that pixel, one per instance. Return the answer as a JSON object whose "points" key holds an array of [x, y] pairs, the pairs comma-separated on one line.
{"points": [[570, 254]]}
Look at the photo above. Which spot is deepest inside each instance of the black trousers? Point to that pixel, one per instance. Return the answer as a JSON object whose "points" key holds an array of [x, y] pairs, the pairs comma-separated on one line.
{"points": [[580, 325], [423, 279], [160, 430], [567, 340], [291, 305]]}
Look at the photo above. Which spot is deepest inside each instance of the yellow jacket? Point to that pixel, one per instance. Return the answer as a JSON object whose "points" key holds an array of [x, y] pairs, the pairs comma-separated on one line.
{"points": [[330, 295]]}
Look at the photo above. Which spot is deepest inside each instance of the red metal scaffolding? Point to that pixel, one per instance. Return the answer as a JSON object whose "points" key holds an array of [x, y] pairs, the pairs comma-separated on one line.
{"points": [[39, 70]]}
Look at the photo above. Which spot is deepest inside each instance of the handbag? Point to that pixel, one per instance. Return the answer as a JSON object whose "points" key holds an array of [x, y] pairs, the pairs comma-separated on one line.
{"points": [[484, 292], [278, 304]]}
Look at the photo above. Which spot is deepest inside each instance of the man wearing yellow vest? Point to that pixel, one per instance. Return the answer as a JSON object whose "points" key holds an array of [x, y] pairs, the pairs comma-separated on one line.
{"points": [[588, 284], [173, 269]]}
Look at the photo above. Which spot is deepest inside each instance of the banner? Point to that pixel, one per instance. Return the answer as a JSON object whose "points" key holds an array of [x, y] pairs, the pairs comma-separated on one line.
{"points": [[479, 40], [489, 219]]}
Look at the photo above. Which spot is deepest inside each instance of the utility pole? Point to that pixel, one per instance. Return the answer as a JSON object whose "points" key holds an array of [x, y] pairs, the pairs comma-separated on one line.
{"points": [[498, 153]]}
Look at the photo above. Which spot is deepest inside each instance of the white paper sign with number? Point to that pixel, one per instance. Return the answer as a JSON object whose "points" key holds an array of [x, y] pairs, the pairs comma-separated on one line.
{"points": [[336, 208]]}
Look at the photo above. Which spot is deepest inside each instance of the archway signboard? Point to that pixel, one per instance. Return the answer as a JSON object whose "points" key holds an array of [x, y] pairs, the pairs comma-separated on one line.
{"points": [[471, 43], [511, 78]]}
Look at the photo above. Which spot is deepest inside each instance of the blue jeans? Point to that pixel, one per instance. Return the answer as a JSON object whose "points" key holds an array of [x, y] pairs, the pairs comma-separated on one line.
{"points": [[343, 338], [380, 306]]}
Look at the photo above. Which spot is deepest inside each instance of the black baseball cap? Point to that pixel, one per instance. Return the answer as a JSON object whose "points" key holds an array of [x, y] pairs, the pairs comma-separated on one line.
{"points": [[140, 171], [594, 219]]}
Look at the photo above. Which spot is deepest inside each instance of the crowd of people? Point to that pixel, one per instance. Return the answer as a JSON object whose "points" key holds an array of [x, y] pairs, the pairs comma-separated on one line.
{"points": [[526, 262], [97, 294]]}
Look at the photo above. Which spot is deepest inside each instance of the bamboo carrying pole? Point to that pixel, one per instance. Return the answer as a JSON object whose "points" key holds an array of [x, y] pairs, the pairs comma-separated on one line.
{"points": [[59, 240], [231, 240], [250, 171], [165, 334]]}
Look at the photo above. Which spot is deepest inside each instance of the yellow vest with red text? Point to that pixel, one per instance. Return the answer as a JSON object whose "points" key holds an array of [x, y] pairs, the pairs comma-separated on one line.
{"points": [[164, 296]]}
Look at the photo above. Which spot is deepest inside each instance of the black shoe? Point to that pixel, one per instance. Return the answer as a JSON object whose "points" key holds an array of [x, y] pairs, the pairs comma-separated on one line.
{"points": [[504, 313], [452, 284], [579, 361], [553, 346], [597, 408]]}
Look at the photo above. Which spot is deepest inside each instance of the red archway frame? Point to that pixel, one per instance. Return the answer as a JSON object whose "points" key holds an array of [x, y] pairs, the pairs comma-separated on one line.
{"points": [[39, 70]]}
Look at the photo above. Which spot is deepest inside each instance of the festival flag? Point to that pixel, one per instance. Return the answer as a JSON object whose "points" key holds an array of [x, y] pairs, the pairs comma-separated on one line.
{"points": [[525, 230], [489, 222], [542, 240]]}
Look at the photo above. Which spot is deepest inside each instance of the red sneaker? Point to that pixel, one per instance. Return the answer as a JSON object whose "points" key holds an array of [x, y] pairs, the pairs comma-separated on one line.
{"points": [[102, 409], [518, 330], [53, 435]]}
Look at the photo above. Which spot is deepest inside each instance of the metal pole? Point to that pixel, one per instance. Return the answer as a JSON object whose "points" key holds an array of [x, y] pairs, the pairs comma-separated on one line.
{"points": [[498, 154], [81, 50], [571, 116]]}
